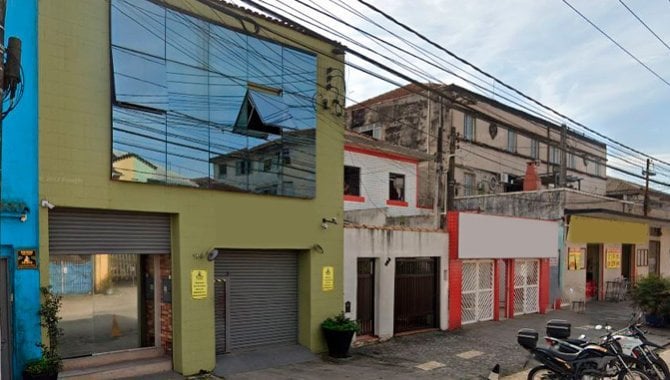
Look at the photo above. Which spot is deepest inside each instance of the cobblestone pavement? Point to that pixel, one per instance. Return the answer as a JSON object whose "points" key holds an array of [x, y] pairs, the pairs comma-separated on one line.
{"points": [[468, 353]]}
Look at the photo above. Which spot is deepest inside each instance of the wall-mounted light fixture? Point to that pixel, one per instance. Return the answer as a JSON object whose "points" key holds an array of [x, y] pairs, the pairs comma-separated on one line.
{"points": [[326, 221], [317, 248], [212, 254], [387, 262]]}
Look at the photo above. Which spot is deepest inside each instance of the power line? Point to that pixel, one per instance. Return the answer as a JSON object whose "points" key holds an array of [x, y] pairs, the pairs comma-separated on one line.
{"points": [[504, 84], [616, 43], [645, 24]]}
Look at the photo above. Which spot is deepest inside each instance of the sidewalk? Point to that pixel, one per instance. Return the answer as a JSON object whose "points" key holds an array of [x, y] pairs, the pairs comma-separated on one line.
{"points": [[468, 353], [665, 355]]}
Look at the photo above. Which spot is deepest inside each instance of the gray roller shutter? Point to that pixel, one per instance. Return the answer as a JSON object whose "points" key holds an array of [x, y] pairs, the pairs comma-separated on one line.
{"points": [[82, 231], [262, 299]]}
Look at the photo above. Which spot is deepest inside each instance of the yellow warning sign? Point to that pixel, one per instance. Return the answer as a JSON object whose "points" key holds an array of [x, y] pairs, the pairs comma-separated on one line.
{"points": [[328, 279], [199, 284]]}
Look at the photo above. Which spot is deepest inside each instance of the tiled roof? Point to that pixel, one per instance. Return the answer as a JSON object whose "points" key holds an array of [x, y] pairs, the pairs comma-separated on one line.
{"points": [[291, 25]]}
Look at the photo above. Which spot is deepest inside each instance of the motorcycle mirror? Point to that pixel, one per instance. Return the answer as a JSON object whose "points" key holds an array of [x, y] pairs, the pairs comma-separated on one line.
{"points": [[582, 337], [608, 327], [599, 327]]}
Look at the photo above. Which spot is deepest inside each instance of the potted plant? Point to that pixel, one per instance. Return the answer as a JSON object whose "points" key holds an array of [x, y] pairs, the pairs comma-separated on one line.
{"points": [[48, 366], [339, 331], [651, 295]]}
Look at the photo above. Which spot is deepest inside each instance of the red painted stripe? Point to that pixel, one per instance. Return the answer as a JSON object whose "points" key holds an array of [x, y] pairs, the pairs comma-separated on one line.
{"points": [[377, 153], [452, 229], [496, 291], [455, 293], [391, 202], [354, 198], [544, 285], [510, 289]]}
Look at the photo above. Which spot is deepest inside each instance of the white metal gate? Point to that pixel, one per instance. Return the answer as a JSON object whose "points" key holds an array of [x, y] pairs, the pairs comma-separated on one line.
{"points": [[526, 286], [477, 291]]}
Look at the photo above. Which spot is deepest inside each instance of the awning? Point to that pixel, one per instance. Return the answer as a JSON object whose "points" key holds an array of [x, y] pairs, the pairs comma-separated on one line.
{"points": [[582, 229]]}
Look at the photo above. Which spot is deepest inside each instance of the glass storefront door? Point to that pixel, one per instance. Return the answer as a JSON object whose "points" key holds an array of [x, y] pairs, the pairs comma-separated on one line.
{"points": [[100, 310]]}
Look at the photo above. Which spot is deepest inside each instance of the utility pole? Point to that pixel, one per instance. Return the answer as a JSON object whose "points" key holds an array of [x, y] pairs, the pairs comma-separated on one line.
{"points": [[439, 163], [451, 170], [563, 173], [646, 174]]}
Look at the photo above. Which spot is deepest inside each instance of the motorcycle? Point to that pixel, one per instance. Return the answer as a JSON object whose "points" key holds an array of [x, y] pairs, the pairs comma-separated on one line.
{"points": [[590, 362], [638, 351]]}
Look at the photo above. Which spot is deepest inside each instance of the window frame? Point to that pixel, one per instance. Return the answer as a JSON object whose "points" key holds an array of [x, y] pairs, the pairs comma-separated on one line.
{"points": [[469, 128], [357, 192], [469, 189], [397, 199], [511, 141], [534, 149]]}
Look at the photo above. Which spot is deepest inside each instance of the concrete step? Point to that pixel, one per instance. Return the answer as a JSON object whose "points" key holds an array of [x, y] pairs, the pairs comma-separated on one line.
{"points": [[111, 358], [120, 370]]}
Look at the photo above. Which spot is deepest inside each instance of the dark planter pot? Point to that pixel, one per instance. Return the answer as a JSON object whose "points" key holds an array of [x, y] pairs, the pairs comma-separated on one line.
{"points": [[43, 376], [338, 342], [654, 320]]}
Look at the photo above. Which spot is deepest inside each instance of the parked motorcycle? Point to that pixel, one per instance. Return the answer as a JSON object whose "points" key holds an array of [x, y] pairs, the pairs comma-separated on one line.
{"points": [[635, 348], [589, 362]]}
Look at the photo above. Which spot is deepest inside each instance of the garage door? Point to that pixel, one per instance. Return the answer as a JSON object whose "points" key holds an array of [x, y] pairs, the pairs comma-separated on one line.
{"points": [[416, 294], [526, 286], [477, 291], [256, 299]]}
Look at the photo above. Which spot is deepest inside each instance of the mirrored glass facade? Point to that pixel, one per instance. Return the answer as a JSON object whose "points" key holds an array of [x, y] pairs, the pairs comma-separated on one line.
{"points": [[199, 105]]}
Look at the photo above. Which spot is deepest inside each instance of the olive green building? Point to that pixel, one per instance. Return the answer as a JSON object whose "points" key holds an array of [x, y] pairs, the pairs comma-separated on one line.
{"points": [[191, 177]]}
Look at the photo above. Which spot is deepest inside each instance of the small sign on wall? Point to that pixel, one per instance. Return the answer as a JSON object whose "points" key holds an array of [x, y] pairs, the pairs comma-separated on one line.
{"points": [[575, 259], [26, 258], [327, 278], [199, 284], [613, 258]]}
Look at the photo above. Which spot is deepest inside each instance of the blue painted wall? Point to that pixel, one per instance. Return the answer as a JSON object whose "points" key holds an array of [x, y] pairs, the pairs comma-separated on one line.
{"points": [[20, 183]]}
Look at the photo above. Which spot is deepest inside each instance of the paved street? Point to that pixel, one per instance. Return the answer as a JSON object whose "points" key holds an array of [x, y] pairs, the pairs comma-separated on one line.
{"points": [[468, 353]]}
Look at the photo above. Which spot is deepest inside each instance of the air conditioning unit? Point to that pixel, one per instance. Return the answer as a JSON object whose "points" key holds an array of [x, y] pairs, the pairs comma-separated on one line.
{"points": [[503, 177]]}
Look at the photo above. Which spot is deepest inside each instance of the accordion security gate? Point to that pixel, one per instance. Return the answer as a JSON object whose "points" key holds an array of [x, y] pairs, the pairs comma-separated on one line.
{"points": [[526, 286], [477, 300]]}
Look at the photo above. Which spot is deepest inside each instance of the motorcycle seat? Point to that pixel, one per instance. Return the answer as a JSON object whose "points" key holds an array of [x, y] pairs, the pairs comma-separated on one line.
{"points": [[567, 356]]}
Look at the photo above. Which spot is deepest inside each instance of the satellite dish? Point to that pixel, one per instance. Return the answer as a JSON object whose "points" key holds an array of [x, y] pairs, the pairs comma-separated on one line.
{"points": [[493, 183]]}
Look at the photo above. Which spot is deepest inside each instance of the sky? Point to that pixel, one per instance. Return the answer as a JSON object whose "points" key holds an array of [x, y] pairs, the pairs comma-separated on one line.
{"points": [[542, 48]]}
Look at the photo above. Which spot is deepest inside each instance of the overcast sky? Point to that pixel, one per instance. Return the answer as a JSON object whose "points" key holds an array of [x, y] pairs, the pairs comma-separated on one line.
{"points": [[542, 48]]}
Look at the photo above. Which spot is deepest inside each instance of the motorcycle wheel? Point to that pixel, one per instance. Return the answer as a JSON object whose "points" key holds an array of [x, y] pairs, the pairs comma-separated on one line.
{"points": [[633, 374], [542, 373], [660, 365]]}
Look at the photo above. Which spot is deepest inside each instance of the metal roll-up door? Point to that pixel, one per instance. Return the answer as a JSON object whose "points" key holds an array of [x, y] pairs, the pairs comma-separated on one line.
{"points": [[83, 231], [256, 299]]}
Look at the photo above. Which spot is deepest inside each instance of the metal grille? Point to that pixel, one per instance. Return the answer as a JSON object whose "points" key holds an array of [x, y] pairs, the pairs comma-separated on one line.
{"points": [[477, 291], [259, 303], [526, 286], [84, 231]]}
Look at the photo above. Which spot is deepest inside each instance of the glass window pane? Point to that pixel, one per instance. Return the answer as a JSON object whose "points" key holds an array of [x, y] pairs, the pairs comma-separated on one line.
{"points": [[201, 82], [188, 40], [139, 79], [100, 302], [139, 140], [139, 26]]}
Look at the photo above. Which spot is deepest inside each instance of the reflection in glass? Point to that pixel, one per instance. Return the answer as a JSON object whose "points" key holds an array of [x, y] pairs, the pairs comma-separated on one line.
{"points": [[205, 106], [100, 302]]}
